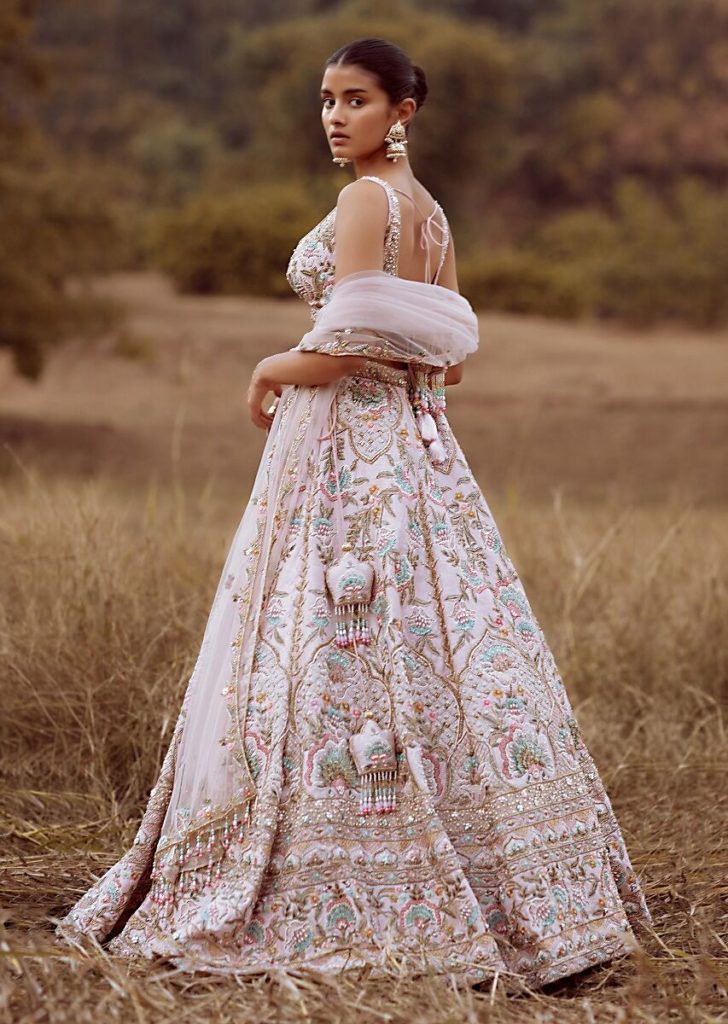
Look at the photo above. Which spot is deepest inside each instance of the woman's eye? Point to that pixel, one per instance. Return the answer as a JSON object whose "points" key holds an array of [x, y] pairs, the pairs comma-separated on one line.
{"points": [[354, 99]]}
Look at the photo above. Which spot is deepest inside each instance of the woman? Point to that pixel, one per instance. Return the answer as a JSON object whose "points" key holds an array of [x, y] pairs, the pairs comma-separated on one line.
{"points": [[375, 760]]}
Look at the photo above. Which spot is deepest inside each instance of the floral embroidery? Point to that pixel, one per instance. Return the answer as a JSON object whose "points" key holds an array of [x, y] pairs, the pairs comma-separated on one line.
{"points": [[524, 753], [329, 766]]}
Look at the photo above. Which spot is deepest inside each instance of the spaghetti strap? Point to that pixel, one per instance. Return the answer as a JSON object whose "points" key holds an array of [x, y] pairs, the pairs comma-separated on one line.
{"points": [[393, 230], [426, 232]]}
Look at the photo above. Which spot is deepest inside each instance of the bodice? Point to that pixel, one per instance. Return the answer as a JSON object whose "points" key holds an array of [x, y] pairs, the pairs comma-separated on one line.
{"points": [[311, 267], [311, 272]]}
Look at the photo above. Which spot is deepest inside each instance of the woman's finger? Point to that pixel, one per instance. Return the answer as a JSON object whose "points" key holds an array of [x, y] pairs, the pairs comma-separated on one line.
{"points": [[260, 418]]}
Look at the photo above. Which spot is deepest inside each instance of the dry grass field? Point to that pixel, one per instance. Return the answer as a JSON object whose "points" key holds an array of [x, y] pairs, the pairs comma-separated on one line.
{"points": [[123, 473]]}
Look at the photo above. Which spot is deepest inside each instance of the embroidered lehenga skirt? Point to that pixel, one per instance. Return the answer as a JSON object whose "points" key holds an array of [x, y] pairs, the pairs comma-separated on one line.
{"points": [[469, 831]]}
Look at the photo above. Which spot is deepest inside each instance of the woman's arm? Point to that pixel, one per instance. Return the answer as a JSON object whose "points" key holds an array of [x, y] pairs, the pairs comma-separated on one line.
{"points": [[454, 373], [311, 368], [361, 223]]}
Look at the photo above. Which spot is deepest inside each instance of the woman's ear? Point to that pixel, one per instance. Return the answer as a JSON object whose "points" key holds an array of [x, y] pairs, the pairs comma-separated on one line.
{"points": [[406, 110]]}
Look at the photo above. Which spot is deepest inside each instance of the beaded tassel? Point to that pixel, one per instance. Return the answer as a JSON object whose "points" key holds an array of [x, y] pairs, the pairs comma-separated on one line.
{"points": [[374, 753], [423, 418], [436, 451], [192, 865], [438, 402], [350, 583], [429, 405], [351, 624], [377, 792]]}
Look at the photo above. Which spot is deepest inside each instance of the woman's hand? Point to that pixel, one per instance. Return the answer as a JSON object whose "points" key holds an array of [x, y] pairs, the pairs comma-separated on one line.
{"points": [[259, 387], [309, 369]]}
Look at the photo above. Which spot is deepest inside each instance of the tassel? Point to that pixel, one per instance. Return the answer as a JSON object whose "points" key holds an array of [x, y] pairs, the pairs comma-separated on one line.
{"points": [[351, 584], [437, 452], [187, 868], [428, 429], [377, 792], [374, 753]]}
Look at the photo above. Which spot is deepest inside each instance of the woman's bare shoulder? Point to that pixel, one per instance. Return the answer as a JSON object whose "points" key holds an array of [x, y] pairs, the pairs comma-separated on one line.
{"points": [[362, 193]]}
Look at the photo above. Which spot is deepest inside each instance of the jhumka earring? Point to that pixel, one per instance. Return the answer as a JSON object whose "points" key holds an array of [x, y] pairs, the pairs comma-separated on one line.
{"points": [[396, 139], [341, 160]]}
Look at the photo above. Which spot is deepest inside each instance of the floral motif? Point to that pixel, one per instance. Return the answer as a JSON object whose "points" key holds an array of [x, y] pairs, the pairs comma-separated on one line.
{"points": [[525, 754], [328, 766], [419, 915], [402, 480], [340, 916], [256, 754], [333, 486], [419, 624]]}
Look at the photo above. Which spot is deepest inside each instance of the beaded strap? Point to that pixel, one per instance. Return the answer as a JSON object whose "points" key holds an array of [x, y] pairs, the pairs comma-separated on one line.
{"points": [[391, 242]]}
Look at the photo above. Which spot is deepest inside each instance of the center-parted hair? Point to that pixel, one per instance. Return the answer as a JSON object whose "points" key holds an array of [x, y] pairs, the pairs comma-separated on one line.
{"points": [[394, 70]]}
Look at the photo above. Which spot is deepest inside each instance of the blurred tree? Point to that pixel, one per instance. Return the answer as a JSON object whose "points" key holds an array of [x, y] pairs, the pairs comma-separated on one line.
{"points": [[50, 225], [28, 279], [240, 242], [623, 87], [22, 73], [173, 157], [510, 14], [650, 258]]}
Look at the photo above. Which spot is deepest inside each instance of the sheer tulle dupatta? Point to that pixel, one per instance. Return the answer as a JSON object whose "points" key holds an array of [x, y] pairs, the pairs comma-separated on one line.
{"points": [[373, 314]]}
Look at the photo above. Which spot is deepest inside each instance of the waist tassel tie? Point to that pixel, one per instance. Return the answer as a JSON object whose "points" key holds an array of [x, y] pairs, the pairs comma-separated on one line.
{"points": [[427, 401]]}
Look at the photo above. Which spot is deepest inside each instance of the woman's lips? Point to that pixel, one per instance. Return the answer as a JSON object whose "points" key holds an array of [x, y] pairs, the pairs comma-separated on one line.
{"points": [[339, 138]]}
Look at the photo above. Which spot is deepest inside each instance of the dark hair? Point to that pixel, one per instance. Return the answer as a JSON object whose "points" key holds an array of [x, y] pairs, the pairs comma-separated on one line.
{"points": [[396, 73]]}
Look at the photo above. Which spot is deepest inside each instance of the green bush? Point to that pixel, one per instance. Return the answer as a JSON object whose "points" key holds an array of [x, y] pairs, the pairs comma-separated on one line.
{"points": [[653, 259], [520, 282], [173, 156], [672, 257], [237, 243]]}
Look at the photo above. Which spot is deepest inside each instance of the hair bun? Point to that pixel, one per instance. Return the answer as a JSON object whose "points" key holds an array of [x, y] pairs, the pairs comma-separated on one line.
{"points": [[420, 88]]}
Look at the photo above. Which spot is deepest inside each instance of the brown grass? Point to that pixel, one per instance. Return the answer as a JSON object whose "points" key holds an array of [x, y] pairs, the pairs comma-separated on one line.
{"points": [[105, 585], [102, 615]]}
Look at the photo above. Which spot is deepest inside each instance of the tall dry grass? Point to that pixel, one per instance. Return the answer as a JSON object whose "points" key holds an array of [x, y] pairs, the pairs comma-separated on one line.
{"points": [[103, 600]]}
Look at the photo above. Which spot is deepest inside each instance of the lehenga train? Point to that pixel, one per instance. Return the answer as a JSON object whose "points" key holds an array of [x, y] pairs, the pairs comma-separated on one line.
{"points": [[376, 760]]}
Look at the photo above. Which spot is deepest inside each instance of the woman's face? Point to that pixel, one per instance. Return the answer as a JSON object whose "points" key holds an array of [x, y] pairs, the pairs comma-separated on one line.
{"points": [[355, 105]]}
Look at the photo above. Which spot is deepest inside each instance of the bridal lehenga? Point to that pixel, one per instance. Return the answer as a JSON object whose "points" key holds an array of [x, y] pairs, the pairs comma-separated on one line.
{"points": [[376, 762]]}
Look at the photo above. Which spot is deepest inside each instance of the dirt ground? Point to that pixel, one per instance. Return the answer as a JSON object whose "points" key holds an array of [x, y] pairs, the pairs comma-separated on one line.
{"points": [[590, 410]]}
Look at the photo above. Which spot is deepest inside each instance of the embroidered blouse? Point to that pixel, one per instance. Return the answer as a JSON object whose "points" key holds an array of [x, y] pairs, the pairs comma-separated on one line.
{"points": [[311, 267]]}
